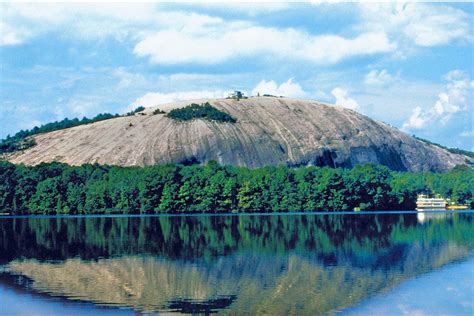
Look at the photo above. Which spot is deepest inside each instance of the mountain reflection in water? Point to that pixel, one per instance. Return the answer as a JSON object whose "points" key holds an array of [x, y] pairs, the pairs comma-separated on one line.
{"points": [[288, 264]]}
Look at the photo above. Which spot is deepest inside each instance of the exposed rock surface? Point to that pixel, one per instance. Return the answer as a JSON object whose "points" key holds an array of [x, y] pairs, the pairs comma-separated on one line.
{"points": [[269, 131]]}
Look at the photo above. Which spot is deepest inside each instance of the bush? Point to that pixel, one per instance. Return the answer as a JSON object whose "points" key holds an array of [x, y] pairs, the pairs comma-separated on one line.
{"points": [[158, 111], [138, 109], [203, 111]]}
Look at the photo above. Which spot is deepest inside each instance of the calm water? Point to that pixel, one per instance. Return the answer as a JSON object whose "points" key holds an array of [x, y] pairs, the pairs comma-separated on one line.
{"points": [[354, 264]]}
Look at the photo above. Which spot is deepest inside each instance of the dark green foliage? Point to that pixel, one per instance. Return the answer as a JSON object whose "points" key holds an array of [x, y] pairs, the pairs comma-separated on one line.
{"points": [[61, 189], [11, 144], [20, 140], [158, 111], [137, 110], [203, 111], [452, 150]]}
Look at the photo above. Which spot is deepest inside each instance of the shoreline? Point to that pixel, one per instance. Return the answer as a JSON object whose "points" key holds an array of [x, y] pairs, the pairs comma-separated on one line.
{"points": [[238, 214]]}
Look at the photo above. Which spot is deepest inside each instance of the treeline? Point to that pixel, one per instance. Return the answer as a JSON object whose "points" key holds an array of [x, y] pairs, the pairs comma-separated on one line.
{"points": [[203, 111], [19, 141], [56, 188], [451, 150]]}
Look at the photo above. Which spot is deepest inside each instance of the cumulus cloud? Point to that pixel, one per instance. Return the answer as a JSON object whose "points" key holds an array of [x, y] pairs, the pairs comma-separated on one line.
{"points": [[217, 43], [456, 98], [156, 98], [288, 89], [343, 99], [417, 120], [176, 37], [421, 24], [378, 78]]}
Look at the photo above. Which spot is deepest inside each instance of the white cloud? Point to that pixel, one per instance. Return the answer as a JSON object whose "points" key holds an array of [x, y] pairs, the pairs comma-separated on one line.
{"points": [[22, 21], [378, 78], [250, 8], [217, 43], [12, 36], [394, 101], [417, 120], [343, 99], [177, 37], [456, 98], [156, 98], [287, 89], [468, 134], [421, 24], [431, 26]]}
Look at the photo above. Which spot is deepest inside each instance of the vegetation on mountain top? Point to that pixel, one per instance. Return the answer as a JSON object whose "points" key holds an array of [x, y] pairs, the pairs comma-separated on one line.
{"points": [[203, 111], [451, 150], [20, 140], [137, 110], [11, 144], [158, 111]]}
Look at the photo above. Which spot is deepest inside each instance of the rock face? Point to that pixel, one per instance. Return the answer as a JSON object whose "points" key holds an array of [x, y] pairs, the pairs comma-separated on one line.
{"points": [[269, 131]]}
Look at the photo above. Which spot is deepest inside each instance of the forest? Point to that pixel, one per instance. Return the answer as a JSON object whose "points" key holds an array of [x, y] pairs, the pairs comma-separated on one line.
{"points": [[56, 188]]}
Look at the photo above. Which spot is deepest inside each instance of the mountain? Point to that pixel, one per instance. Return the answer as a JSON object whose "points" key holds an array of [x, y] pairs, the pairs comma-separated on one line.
{"points": [[267, 131]]}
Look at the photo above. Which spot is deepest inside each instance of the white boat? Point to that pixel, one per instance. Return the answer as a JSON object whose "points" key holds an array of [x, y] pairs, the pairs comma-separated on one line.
{"points": [[425, 203]]}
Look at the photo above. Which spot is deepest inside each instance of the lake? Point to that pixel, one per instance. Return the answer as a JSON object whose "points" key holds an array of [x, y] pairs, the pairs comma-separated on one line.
{"points": [[301, 264]]}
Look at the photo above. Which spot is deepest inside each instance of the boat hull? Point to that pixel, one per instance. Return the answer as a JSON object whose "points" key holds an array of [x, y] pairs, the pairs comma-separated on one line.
{"points": [[421, 209]]}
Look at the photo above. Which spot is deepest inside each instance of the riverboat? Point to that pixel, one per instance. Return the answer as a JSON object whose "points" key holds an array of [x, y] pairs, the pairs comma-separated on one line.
{"points": [[425, 203], [437, 203]]}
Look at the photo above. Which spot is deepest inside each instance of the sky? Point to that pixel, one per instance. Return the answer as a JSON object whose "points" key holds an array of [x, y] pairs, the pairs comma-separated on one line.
{"points": [[410, 65]]}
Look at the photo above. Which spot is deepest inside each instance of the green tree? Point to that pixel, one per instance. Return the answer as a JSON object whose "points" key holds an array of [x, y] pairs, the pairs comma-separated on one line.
{"points": [[49, 197]]}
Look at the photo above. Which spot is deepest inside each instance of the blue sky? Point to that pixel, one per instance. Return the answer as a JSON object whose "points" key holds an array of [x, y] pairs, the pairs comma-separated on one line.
{"points": [[407, 64]]}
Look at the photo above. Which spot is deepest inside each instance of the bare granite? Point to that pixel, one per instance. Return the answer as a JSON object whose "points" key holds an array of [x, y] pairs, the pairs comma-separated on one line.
{"points": [[268, 131]]}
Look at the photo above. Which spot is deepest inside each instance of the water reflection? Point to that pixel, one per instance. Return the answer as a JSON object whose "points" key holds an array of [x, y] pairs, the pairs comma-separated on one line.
{"points": [[270, 264], [429, 216]]}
